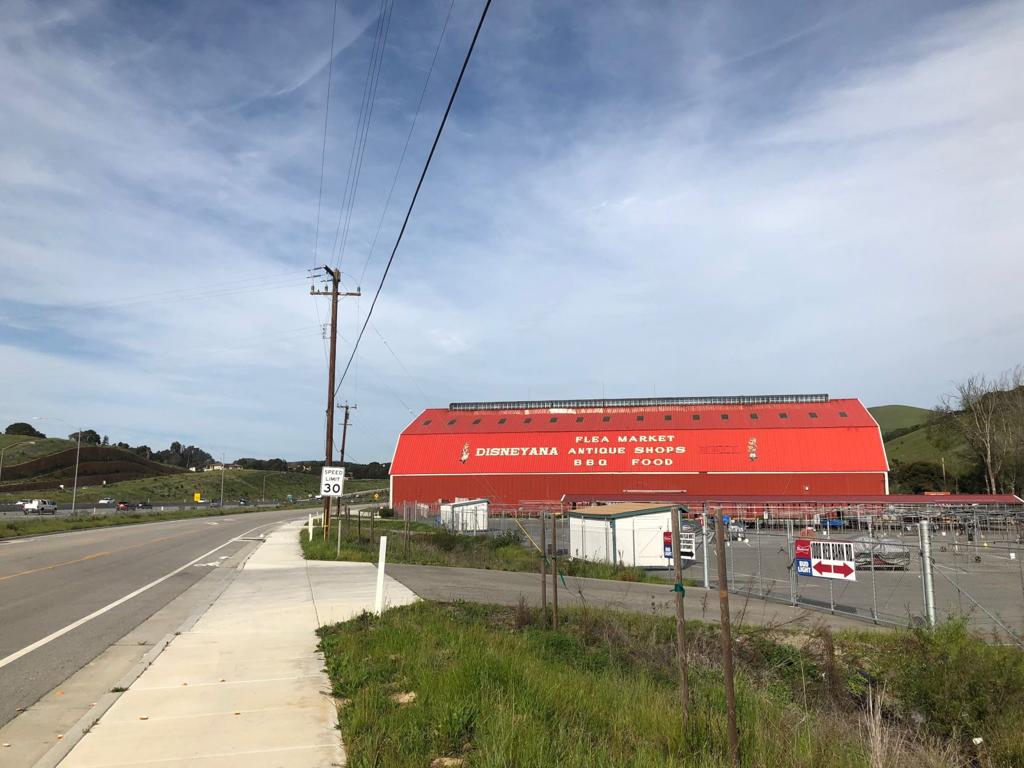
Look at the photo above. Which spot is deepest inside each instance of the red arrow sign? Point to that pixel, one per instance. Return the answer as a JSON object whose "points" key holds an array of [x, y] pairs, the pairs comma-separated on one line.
{"points": [[843, 569]]}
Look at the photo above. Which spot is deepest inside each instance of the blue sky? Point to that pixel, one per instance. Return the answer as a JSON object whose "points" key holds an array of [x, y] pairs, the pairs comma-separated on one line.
{"points": [[630, 199]]}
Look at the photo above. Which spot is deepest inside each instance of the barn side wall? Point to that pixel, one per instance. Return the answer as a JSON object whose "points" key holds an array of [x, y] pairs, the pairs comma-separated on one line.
{"points": [[512, 489]]}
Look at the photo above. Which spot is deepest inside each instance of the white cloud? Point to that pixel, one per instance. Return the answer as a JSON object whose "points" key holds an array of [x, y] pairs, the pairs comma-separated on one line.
{"points": [[735, 206]]}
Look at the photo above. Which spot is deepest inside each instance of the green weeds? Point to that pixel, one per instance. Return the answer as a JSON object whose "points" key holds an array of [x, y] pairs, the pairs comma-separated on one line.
{"points": [[428, 545]]}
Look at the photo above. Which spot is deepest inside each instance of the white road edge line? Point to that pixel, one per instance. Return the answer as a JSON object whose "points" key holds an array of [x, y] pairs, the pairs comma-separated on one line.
{"points": [[99, 612]]}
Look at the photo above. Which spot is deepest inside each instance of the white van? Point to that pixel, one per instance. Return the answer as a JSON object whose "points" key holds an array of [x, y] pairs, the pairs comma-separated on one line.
{"points": [[40, 507]]}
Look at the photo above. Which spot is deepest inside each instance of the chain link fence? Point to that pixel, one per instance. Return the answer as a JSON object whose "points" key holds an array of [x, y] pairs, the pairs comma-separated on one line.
{"points": [[977, 557]]}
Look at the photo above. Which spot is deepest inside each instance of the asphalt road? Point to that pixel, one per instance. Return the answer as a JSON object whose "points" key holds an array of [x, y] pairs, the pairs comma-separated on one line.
{"points": [[49, 584], [435, 582]]}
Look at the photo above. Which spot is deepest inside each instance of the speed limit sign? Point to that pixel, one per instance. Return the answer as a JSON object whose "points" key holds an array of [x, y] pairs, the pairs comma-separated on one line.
{"points": [[332, 481]]}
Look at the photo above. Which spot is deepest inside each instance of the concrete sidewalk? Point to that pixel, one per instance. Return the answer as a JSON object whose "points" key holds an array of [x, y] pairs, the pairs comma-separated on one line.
{"points": [[244, 685]]}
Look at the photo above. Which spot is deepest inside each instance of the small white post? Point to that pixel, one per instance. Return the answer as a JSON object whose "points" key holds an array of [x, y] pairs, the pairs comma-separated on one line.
{"points": [[378, 605], [310, 526]]}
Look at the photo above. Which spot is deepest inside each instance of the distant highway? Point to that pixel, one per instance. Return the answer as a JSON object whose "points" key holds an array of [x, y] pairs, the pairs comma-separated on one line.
{"points": [[49, 584], [12, 510]]}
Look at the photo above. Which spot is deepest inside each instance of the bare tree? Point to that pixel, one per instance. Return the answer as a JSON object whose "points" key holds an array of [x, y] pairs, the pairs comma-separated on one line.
{"points": [[989, 414]]}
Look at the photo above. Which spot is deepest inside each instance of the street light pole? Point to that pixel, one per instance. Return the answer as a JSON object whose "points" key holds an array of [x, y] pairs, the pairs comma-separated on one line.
{"points": [[263, 496], [4, 449], [223, 462], [78, 453]]}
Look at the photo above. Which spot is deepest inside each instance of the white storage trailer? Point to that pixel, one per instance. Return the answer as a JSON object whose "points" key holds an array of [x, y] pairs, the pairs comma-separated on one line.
{"points": [[630, 534], [465, 515]]}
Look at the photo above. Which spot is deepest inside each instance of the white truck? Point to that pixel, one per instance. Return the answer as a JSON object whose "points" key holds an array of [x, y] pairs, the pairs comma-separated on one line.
{"points": [[40, 507]]}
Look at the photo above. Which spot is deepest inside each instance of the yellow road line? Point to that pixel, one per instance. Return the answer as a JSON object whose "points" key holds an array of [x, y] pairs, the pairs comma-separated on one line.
{"points": [[93, 556]]}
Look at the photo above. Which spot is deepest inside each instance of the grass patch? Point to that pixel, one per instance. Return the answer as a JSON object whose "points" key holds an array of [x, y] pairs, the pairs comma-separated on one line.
{"points": [[495, 687], [429, 545], [11, 528]]}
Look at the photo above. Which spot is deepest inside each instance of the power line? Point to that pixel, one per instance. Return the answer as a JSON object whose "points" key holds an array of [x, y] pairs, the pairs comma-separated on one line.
{"points": [[419, 185], [355, 163], [323, 148], [408, 138], [401, 364], [323, 162]]}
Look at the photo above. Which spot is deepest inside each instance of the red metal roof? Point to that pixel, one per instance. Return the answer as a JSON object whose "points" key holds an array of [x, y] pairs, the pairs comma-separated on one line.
{"points": [[846, 412], [832, 436]]}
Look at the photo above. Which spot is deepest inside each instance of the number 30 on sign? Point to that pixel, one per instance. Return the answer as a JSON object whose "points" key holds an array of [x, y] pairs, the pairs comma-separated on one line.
{"points": [[332, 481]]}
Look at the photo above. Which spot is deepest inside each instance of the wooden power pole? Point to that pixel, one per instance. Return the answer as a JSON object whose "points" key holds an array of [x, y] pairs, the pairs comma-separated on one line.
{"points": [[334, 293], [341, 451]]}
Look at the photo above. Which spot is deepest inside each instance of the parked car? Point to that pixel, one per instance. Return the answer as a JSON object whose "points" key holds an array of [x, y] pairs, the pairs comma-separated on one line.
{"points": [[106, 500], [143, 505], [125, 506], [737, 530], [40, 507], [889, 554], [243, 502]]}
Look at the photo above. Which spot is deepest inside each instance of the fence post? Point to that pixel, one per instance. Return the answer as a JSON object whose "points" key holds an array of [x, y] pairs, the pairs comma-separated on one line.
{"points": [[378, 603], [723, 601], [704, 530], [554, 571], [871, 554], [677, 563], [408, 530], [789, 554], [926, 573], [543, 568], [757, 535]]}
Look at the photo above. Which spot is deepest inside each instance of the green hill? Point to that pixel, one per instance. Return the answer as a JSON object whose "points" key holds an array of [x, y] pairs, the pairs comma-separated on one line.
{"points": [[893, 417], [19, 448], [915, 446], [178, 488]]}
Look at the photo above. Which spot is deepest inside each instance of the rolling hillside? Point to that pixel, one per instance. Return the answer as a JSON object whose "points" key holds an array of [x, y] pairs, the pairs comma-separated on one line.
{"points": [[907, 441], [893, 417]]}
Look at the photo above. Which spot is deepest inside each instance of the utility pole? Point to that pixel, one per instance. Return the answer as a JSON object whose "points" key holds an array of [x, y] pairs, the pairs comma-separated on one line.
{"points": [[341, 454], [334, 293]]}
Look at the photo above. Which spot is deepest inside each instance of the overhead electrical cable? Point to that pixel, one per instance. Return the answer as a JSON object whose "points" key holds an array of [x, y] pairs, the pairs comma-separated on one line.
{"points": [[323, 163], [408, 138], [362, 131], [416, 192], [366, 129], [323, 148]]}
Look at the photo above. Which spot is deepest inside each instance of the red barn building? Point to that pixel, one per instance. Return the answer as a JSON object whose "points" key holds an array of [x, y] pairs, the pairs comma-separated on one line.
{"points": [[510, 452]]}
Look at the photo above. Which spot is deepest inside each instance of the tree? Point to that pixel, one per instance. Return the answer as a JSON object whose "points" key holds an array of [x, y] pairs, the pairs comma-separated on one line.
{"points": [[989, 415], [89, 436], [21, 428], [106, 440]]}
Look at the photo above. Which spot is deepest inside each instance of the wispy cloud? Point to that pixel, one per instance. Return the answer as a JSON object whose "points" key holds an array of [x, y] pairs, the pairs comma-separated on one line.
{"points": [[691, 199]]}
